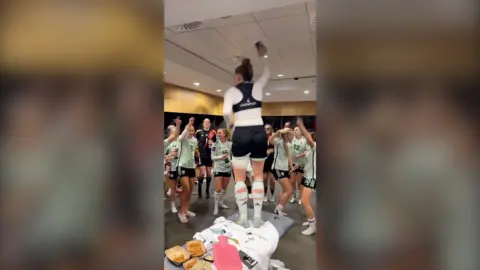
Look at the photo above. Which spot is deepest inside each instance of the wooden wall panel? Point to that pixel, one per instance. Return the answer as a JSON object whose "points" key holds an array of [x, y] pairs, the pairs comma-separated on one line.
{"points": [[183, 100], [289, 108]]}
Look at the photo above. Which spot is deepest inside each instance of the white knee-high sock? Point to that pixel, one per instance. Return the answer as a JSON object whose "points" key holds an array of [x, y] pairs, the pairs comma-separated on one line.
{"points": [[222, 196], [241, 196], [257, 195]]}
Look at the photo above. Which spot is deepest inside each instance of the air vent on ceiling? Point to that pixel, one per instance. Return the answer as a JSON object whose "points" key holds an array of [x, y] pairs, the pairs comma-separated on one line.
{"points": [[313, 22], [185, 27]]}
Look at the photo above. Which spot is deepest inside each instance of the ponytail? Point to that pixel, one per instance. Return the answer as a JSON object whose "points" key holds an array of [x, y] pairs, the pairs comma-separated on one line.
{"points": [[245, 69]]}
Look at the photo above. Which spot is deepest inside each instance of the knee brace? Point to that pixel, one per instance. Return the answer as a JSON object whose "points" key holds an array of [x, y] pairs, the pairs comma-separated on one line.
{"points": [[240, 162]]}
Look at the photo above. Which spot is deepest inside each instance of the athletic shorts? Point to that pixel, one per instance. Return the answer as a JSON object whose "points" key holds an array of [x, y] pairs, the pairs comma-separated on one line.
{"points": [[279, 174], [173, 175], [250, 141], [299, 168], [205, 161], [188, 172], [309, 182], [222, 174], [267, 167]]}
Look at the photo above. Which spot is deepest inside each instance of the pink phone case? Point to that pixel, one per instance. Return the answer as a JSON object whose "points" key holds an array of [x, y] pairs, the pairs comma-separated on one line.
{"points": [[225, 256]]}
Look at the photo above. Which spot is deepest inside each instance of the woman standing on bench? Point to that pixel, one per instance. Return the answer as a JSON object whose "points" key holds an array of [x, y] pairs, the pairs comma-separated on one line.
{"points": [[249, 142], [309, 181]]}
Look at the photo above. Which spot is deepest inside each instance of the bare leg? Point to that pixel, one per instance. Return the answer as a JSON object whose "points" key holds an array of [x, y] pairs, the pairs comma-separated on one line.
{"points": [[218, 193], [208, 181], [184, 198], [201, 178], [172, 185], [286, 193]]}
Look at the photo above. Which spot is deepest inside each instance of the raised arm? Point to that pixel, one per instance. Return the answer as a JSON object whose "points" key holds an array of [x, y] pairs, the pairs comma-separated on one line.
{"points": [[227, 108], [184, 134], [305, 132]]}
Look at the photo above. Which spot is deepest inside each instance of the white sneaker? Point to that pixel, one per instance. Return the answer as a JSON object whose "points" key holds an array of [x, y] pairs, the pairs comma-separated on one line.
{"points": [[279, 212], [190, 214], [292, 200], [305, 224], [222, 205], [299, 202], [272, 199], [215, 210], [312, 229], [173, 208], [250, 196], [182, 217]]}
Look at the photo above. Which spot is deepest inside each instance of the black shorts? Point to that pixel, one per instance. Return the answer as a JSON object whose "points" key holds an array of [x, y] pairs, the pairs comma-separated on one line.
{"points": [[250, 140], [190, 173], [267, 167], [222, 174], [279, 174], [173, 175], [309, 182], [299, 168], [205, 161]]}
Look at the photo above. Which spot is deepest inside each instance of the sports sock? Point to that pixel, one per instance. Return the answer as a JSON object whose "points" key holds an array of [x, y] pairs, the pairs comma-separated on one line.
{"points": [[241, 196], [257, 194], [207, 189]]}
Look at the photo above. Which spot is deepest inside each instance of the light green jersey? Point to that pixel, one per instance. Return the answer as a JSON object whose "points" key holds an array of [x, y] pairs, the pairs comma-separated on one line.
{"points": [[187, 153], [298, 147], [174, 146], [218, 150], [310, 171], [280, 160]]}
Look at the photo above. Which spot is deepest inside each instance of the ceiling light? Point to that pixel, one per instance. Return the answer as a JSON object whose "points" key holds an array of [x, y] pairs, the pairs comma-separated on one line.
{"points": [[280, 75], [267, 94], [306, 91], [218, 90], [196, 83], [265, 56]]}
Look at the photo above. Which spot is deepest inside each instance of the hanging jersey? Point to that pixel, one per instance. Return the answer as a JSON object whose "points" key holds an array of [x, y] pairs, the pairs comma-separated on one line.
{"points": [[298, 147], [280, 161], [187, 153], [171, 149], [219, 149], [310, 170]]}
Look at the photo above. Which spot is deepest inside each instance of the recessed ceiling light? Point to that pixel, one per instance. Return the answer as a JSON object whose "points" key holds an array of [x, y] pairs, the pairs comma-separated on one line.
{"points": [[196, 83], [265, 56], [306, 91], [267, 94], [280, 75], [218, 90]]}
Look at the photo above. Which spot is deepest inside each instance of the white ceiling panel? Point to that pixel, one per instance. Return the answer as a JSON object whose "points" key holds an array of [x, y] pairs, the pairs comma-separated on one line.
{"points": [[212, 48], [207, 43], [280, 12], [244, 36], [291, 38]]}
